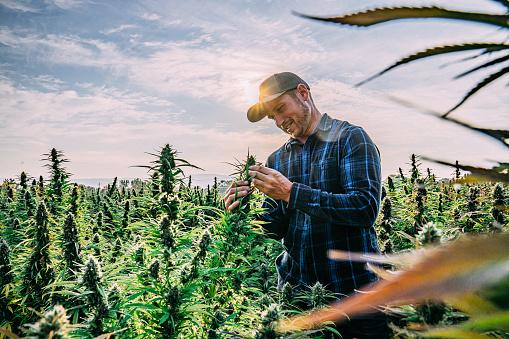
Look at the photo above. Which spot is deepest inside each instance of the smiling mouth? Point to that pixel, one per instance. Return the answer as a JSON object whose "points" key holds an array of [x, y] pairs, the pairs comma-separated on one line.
{"points": [[286, 126]]}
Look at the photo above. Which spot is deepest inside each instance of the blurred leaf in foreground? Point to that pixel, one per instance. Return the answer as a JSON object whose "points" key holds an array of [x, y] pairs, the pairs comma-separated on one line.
{"points": [[438, 273], [381, 15], [498, 173]]}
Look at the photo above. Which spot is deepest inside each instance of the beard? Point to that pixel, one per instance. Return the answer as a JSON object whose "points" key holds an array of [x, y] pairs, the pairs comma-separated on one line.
{"points": [[301, 122]]}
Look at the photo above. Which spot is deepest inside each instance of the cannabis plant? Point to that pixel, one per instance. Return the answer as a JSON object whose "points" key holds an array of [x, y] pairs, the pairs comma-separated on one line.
{"points": [[499, 204], [54, 324], [95, 293], [71, 245], [154, 269], [6, 278], [167, 234], [429, 234], [415, 168], [268, 318], [39, 271], [386, 225], [29, 204], [169, 170], [74, 200], [59, 178], [242, 174]]}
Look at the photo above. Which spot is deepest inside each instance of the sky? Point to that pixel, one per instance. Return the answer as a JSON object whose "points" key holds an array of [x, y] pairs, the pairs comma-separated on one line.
{"points": [[108, 82]]}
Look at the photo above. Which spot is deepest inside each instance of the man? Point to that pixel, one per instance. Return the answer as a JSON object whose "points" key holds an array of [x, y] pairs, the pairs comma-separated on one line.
{"points": [[324, 189]]}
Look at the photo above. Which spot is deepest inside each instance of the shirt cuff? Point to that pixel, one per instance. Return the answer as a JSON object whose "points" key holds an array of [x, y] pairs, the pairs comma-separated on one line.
{"points": [[301, 197]]}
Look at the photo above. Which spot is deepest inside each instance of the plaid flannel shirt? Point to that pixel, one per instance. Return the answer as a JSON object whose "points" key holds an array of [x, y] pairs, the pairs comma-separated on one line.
{"points": [[333, 204]]}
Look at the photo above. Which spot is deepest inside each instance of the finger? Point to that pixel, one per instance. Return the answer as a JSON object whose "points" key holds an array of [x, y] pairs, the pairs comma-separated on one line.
{"points": [[258, 175], [236, 190], [234, 184], [254, 167], [239, 183], [265, 170], [230, 199], [237, 193], [242, 193], [234, 205], [259, 184], [251, 174]]}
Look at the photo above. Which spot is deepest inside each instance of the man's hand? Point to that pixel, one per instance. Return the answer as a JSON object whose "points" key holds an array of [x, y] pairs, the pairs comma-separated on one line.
{"points": [[271, 182], [238, 189]]}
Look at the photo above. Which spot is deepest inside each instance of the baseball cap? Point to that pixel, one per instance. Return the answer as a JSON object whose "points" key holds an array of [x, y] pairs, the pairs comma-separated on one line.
{"points": [[272, 88]]}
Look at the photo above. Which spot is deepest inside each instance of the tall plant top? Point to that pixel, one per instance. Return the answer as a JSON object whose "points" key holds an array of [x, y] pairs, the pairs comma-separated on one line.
{"points": [[169, 169], [241, 173]]}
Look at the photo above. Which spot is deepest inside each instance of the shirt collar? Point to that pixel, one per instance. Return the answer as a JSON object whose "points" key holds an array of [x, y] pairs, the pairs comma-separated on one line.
{"points": [[324, 125]]}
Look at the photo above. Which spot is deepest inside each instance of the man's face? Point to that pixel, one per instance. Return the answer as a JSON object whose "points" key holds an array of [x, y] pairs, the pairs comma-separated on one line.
{"points": [[291, 114]]}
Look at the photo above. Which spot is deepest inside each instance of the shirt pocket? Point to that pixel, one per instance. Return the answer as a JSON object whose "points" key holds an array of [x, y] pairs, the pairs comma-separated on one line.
{"points": [[324, 174]]}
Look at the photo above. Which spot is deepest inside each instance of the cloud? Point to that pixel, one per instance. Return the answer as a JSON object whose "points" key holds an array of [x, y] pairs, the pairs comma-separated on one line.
{"points": [[107, 130], [226, 64], [65, 4], [215, 57], [119, 29], [226, 60], [49, 82], [62, 108], [103, 134], [20, 6], [225, 67], [53, 49], [400, 131], [150, 17]]}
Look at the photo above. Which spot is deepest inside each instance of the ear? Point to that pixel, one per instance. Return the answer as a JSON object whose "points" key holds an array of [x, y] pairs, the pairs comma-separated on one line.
{"points": [[303, 91]]}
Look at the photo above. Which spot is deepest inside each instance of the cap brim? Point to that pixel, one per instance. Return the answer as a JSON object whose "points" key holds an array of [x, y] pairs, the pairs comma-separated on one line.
{"points": [[256, 112]]}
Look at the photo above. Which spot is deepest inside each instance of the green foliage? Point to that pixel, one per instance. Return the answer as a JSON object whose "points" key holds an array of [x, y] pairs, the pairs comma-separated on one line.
{"points": [[242, 174], [39, 271], [74, 199], [267, 327], [59, 178], [71, 245], [6, 278], [179, 265], [429, 234], [96, 297], [54, 324], [318, 296]]}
